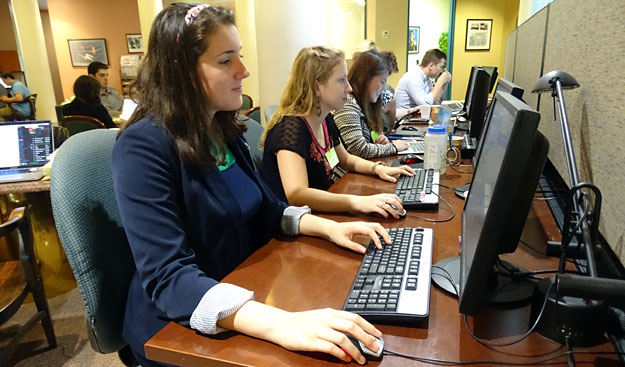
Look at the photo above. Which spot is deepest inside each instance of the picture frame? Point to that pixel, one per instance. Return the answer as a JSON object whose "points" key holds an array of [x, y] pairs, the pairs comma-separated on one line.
{"points": [[413, 39], [134, 43], [479, 32], [83, 52]]}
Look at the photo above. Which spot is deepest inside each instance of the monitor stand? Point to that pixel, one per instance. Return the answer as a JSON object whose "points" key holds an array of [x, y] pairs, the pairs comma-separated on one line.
{"points": [[502, 289], [462, 191]]}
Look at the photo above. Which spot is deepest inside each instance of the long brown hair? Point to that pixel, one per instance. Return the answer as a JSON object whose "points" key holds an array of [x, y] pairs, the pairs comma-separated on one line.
{"points": [[365, 66], [169, 87], [311, 65]]}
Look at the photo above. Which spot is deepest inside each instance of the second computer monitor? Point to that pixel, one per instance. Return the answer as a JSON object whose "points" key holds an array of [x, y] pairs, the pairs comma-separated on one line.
{"points": [[502, 189], [504, 85], [476, 110], [492, 72]]}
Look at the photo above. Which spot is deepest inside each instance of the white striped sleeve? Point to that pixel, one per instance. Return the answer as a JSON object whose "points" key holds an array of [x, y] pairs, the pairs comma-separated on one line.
{"points": [[219, 302]]}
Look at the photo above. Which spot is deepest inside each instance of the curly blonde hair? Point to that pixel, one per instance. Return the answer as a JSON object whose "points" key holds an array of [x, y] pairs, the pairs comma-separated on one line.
{"points": [[311, 65]]}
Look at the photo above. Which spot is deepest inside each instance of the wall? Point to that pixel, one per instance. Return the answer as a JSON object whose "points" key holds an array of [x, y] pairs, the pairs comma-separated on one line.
{"points": [[391, 16], [7, 41], [503, 15], [78, 19], [590, 48], [432, 16]]}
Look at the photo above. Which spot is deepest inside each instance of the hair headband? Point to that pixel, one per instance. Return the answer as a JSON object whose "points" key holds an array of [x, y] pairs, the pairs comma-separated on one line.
{"points": [[193, 13]]}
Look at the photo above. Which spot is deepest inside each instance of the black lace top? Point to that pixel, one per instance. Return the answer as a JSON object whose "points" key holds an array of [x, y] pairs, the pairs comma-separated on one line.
{"points": [[292, 134]]}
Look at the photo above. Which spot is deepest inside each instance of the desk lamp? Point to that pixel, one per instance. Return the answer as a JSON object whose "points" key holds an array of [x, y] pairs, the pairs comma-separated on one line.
{"points": [[573, 311]]}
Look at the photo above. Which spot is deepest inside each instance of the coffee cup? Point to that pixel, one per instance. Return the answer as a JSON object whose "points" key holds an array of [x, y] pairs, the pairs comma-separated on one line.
{"points": [[425, 111]]}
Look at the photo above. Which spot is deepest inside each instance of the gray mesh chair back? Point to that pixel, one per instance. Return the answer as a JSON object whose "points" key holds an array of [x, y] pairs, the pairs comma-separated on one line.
{"points": [[269, 110], [252, 135], [89, 226]]}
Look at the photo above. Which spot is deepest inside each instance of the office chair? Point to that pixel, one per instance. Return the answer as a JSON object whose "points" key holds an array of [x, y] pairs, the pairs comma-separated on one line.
{"points": [[269, 110], [248, 103], [17, 279], [254, 114], [252, 135], [89, 226], [16, 116], [79, 123]]}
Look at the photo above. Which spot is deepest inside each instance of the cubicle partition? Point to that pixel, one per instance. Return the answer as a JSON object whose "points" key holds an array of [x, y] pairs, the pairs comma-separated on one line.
{"points": [[585, 39]]}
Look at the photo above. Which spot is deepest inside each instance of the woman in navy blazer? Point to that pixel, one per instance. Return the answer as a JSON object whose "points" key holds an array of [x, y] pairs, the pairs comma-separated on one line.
{"points": [[194, 208]]}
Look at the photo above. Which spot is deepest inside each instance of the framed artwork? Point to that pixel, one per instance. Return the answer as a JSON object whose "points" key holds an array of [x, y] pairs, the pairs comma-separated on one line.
{"points": [[413, 40], [85, 51], [478, 34], [134, 43]]}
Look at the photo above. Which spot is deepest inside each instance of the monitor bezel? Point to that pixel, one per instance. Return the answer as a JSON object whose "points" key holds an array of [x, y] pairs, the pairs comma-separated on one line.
{"points": [[476, 111], [508, 183]]}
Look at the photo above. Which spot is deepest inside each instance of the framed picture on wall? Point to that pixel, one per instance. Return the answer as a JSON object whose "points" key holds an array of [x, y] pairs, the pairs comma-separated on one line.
{"points": [[413, 40], [478, 34], [85, 51], [134, 42]]}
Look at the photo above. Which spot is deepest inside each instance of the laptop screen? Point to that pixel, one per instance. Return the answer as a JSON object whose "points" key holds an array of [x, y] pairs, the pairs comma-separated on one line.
{"points": [[25, 144]]}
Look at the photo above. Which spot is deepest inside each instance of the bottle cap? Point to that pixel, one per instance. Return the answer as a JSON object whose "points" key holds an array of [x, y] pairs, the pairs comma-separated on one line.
{"points": [[436, 129]]}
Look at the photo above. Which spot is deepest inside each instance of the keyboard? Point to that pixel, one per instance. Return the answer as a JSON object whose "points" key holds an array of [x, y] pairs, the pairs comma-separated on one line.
{"points": [[455, 106], [419, 191], [414, 147], [393, 284], [20, 174]]}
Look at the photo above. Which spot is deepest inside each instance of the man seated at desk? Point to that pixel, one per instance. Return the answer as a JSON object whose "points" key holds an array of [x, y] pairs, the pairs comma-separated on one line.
{"points": [[19, 102], [415, 88], [109, 97]]}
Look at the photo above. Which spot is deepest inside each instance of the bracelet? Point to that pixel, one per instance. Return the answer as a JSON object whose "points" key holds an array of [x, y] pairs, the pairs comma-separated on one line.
{"points": [[376, 166]]}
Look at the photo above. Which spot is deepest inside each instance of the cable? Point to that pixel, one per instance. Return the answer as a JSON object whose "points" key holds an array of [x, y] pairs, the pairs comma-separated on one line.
{"points": [[540, 252], [448, 277], [459, 171], [453, 213], [445, 186], [540, 314], [495, 362]]}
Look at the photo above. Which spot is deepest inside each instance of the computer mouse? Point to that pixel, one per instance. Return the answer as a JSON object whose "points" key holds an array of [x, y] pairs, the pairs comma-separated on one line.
{"points": [[410, 159], [401, 214], [368, 354]]}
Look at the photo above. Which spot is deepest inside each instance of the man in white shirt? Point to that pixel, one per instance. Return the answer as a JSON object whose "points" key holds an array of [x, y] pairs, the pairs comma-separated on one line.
{"points": [[416, 88]]}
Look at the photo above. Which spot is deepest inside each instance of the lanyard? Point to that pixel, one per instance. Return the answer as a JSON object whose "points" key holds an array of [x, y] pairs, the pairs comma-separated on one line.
{"points": [[322, 150]]}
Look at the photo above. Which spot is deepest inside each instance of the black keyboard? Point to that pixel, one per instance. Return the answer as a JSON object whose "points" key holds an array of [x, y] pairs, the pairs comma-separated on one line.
{"points": [[419, 191], [393, 284]]}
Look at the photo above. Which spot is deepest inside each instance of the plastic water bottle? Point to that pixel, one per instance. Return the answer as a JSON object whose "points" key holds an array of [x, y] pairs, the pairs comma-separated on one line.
{"points": [[435, 148]]}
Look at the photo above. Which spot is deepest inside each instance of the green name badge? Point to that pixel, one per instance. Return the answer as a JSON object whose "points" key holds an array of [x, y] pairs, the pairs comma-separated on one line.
{"points": [[332, 158], [375, 136]]}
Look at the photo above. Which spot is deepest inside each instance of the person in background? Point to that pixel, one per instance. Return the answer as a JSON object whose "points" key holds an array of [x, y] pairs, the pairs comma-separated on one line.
{"points": [[360, 120], [390, 112], [194, 208], [302, 143], [19, 102], [109, 97], [87, 101], [415, 88]]}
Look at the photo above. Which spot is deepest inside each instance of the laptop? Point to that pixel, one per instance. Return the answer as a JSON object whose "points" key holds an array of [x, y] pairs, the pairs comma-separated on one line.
{"points": [[444, 115], [25, 147]]}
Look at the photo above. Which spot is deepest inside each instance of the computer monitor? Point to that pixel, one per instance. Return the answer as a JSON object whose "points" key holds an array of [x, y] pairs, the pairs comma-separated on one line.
{"points": [[504, 85], [502, 189], [468, 94], [492, 72], [476, 110]]}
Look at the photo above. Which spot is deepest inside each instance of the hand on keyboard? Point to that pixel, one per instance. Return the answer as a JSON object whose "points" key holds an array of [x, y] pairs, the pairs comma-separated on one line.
{"points": [[356, 235], [390, 173]]}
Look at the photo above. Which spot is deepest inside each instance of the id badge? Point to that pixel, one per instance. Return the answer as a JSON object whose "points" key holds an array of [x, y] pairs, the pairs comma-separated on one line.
{"points": [[374, 136], [332, 158]]}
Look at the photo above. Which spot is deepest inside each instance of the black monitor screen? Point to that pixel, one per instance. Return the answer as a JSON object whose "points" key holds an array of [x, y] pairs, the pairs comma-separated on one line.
{"points": [[493, 74], [512, 157], [469, 92]]}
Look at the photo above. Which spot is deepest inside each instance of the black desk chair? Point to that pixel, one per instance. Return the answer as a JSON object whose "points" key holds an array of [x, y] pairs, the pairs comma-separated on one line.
{"points": [[79, 123], [18, 278], [16, 116]]}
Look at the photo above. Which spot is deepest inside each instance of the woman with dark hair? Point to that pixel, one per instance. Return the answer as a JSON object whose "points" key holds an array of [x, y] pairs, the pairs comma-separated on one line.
{"points": [[87, 101], [194, 208], [361, 119]]}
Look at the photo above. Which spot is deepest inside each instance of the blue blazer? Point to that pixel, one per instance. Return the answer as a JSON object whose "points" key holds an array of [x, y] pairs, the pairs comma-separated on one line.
{"points": [[184, 227]]}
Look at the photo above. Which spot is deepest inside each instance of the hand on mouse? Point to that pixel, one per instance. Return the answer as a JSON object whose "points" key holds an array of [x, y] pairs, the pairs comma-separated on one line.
{"points": [[390, 173], [382, 204], [324, 331]]}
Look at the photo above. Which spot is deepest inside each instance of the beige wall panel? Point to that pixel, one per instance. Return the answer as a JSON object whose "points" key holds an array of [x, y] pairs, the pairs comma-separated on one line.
{"points": [[508, 64], [585, 39], [529, 52]]}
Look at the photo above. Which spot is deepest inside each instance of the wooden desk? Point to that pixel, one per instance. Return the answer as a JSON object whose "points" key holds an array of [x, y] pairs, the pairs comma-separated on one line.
{"points": [[307, 273]]}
